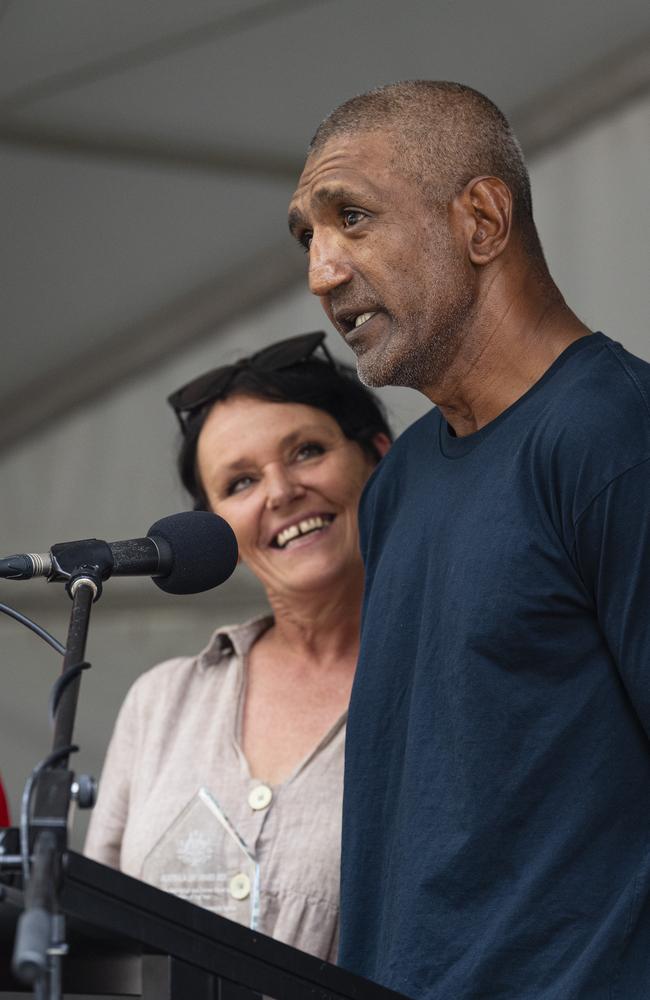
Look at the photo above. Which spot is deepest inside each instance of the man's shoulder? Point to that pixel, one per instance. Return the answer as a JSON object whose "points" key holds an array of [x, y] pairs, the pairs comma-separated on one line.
{"points": [[615, 380], [591, 426], [602, 403]]}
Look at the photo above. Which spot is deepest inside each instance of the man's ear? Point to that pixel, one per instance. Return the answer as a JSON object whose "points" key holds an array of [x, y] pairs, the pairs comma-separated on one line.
{"points": [[484, 210], [382, 443]]}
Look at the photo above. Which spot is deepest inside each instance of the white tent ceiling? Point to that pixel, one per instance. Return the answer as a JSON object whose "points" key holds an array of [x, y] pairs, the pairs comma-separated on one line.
{"points": [[149, 148]]}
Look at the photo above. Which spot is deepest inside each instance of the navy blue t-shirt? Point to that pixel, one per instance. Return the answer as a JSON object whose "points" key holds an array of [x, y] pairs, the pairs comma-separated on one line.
{"points": [[496, 839]]}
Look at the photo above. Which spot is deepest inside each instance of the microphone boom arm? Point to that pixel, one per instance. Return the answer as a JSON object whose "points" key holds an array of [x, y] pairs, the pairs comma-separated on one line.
{"points": [[41, 921]]}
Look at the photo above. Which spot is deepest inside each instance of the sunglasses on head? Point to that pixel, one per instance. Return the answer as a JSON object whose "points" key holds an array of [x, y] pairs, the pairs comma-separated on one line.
{"points": [[209, 388]]}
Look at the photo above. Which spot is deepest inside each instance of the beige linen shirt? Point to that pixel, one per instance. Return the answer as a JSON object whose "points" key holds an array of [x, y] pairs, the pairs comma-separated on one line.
{"points": [[178, 733]]}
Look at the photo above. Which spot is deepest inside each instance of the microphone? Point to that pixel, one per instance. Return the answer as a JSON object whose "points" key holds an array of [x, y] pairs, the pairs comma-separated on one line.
{"points": [[184, 553]]}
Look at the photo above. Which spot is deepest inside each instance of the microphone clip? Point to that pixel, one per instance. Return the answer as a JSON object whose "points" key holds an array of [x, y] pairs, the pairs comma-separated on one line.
{"points": [[90, 557]]}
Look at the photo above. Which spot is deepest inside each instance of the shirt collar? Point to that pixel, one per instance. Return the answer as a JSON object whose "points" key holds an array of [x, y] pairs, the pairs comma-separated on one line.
{"points": [[230, 639]]}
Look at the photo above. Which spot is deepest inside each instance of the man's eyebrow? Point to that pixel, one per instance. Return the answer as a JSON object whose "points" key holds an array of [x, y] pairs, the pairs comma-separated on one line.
{"points": [[296, 221], [324, 197], [331, 195]]}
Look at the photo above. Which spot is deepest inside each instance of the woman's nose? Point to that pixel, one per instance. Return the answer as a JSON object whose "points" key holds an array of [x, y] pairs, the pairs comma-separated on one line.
{"points": [[281, 488], [329, 266]]}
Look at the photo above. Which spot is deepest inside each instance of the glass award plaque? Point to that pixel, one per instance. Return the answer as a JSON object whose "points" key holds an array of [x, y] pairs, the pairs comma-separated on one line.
{"points": [[202, 858]]}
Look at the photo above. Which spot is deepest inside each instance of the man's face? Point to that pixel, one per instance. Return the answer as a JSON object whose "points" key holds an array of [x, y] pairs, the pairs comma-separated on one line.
{"points": [[391, 274]]}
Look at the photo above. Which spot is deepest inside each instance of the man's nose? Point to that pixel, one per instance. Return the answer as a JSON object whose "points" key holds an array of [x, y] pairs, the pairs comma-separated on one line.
{"points": [[329, 266]]}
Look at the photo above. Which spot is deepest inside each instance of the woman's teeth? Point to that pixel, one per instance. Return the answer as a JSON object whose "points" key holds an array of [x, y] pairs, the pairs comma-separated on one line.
{"points": [[301, 528]]}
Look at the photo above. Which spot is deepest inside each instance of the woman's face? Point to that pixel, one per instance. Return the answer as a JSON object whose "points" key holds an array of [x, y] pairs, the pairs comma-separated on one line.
{"points": [[288, 481]]}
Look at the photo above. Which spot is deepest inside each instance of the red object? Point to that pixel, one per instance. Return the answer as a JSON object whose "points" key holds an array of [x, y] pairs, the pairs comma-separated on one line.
{"points": [[4, 808]]}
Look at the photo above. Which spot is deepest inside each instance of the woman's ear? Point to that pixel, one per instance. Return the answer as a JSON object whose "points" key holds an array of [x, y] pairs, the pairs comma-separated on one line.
{"points": [[381, 443]]}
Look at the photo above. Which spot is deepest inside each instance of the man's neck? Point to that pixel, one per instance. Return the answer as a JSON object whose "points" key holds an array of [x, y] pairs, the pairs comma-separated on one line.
{"points": [[514, 339]]}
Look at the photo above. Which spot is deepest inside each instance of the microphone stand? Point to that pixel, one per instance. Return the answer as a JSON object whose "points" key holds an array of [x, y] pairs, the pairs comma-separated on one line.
{"points": [[40, 937]]}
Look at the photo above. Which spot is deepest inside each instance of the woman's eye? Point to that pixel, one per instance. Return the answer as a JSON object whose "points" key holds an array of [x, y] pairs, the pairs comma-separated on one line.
{"points": [[238, 485], [351, 216], [309, 451]]}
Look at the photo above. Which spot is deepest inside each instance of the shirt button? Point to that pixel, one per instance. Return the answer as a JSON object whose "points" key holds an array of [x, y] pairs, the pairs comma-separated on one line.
{"points": [[239, 886], [260, 797]]}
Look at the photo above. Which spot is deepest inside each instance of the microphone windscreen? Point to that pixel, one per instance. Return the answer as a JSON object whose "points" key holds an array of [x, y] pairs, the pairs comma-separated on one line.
{"points": [[204, 550]]}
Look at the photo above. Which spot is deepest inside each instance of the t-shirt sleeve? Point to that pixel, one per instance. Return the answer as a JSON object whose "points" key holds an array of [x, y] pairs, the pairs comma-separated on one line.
{"points": [[612, 548], [104, 838]]}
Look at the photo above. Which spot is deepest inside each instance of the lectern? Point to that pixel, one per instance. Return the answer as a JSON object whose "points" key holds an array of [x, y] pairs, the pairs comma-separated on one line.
{"points": [[129, 939]]}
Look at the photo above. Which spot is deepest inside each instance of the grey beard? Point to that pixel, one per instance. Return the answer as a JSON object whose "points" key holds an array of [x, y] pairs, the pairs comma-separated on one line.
{"points": [[414, 362]]}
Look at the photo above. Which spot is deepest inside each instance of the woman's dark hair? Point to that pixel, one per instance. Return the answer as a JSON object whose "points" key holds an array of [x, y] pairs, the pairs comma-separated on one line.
{"points": [[335, 390]]}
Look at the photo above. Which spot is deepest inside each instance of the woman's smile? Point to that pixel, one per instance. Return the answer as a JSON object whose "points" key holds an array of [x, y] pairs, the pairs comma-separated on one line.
{"points": [[288, 481], [309, 528]]}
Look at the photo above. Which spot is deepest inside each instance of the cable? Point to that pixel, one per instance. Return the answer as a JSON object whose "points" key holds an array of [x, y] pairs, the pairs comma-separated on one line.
{"points": [[61, 684], [38, 629]]}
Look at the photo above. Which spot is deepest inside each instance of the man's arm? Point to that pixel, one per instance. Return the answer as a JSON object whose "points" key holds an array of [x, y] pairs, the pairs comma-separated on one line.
{"points": [[612, 551]]}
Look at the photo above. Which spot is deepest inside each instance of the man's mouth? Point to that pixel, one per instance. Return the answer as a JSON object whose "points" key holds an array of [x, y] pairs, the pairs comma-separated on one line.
{"points": [[363, 318], [348, 320], [307, 526]]}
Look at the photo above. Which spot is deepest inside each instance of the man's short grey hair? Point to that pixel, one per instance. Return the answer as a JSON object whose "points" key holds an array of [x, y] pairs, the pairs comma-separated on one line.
{"points": [[445, 134]]}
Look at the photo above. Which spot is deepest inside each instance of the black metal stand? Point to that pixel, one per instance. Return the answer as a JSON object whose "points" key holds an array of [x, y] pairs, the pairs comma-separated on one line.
{"points": [[40, 937]]}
